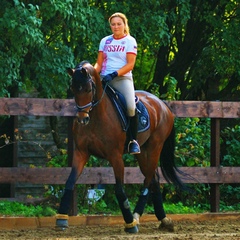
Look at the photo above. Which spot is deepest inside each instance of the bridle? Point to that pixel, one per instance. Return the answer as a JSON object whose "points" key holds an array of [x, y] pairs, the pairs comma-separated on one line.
{"points": [[93, 101]]}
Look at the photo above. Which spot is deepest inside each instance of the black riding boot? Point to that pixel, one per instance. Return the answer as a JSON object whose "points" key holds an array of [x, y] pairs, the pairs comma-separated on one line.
{"points": [[133, 146]]}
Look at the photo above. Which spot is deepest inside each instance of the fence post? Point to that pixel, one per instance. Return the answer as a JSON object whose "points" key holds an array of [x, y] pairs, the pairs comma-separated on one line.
{"points": [[215, 162]]}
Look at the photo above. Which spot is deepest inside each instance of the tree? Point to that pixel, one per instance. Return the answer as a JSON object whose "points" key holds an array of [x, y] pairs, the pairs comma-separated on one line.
{"points": [[194, 42], [203, 49], [40, 40]]}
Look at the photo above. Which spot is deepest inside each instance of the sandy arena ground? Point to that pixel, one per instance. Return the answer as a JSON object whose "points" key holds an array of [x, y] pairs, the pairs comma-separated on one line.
{"points": [[187, 229]]}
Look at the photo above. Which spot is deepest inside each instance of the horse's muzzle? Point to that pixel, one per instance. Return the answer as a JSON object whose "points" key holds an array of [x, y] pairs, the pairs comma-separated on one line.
{"points": [[84, 120]]}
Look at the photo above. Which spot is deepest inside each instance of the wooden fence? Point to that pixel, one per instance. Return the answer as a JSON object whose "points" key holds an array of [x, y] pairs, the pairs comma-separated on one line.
{"points": [[213, 175]]}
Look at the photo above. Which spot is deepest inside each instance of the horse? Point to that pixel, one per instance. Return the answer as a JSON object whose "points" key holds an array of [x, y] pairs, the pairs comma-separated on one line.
{"points": [[97, 131]]}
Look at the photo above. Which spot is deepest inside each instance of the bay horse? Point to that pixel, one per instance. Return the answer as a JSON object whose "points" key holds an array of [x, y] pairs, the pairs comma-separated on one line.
{"points": [[97, 131]]}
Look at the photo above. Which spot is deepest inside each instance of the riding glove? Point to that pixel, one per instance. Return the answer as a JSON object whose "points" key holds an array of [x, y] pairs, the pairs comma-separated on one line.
{"points": [[110, 77]]}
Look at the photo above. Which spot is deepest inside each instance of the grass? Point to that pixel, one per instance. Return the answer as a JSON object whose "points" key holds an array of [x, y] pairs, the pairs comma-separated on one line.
{"points": [[14, 209], [17, 209]]}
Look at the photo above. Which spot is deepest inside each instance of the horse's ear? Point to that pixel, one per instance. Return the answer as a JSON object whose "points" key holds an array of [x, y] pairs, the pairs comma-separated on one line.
{"points": [[70, 71], [84, 71]]}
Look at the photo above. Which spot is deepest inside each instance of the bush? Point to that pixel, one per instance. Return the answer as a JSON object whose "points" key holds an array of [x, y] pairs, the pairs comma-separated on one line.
{"points": [[230, 148], [19, 209]]}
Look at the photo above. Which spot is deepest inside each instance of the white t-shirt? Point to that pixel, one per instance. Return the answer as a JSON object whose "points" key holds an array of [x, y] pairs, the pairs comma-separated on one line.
{"points": [[115, 53]]}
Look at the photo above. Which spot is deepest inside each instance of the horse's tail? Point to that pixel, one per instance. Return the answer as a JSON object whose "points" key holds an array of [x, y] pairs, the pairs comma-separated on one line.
{"points": [[167, 163]]}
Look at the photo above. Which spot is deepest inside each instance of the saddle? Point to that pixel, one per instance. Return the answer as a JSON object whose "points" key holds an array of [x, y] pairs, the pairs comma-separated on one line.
{"points": [[119, 103]]}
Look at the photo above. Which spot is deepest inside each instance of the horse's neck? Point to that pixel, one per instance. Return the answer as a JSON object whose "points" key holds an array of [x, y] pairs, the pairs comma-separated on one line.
{"points": [[101, 95]]}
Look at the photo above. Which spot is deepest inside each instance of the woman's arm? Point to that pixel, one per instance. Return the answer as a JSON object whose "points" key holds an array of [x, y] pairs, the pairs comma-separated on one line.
{"points": [[131, 59], [98, 64]]}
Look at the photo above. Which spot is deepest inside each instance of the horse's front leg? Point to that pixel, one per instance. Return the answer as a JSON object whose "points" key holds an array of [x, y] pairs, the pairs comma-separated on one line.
{"points": [[79, 160]]}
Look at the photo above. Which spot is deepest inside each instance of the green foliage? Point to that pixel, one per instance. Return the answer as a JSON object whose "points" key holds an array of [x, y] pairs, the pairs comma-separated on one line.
{"points": [[20, 28], [231, 146], [19, 209], [58, 161], [217, 66], [233, 191], [198, 48], [40, 41], [192, 142], [172, 92], [14, 209], [109, 205], [230, 208], [179, 208], [56, 191]]}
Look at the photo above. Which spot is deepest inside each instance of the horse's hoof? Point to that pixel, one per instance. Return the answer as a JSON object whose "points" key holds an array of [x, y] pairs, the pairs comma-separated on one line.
{"points": [[60, 229], [131, 230], [61, 222], [131, 227], [167, 225], [137, 217]]}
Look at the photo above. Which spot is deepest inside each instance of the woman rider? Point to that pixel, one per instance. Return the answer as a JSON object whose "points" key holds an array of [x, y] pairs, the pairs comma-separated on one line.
{"points": [[115, 62]]}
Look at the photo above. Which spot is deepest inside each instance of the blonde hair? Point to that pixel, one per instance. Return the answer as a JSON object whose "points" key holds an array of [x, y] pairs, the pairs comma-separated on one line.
{"points": [[125, 21]]}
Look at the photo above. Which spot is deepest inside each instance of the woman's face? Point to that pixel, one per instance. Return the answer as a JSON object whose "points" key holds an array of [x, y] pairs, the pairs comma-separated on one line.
{"points": [[117, 26]]}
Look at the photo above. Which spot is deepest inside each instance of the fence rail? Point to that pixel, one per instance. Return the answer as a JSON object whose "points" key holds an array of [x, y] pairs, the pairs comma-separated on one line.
{"points": [[65, 107], [214, 175], [105, 175]]}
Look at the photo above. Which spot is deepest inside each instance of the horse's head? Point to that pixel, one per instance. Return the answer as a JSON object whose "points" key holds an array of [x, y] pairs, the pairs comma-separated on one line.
{"points": [[83, 88]]}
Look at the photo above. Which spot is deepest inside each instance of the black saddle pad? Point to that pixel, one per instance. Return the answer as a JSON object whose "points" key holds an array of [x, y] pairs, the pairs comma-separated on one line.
{"points": [[120, 106]]}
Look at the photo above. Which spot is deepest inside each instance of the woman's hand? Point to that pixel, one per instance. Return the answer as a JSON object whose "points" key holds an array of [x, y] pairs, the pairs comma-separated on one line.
{"points": [[110, 77]]}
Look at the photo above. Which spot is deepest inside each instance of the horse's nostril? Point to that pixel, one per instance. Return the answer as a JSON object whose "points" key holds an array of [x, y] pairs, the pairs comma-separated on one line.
{"points": [[86, 120]]}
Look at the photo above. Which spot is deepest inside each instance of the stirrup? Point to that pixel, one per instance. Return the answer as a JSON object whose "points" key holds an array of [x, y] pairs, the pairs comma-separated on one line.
{"points": [[133, 147]]}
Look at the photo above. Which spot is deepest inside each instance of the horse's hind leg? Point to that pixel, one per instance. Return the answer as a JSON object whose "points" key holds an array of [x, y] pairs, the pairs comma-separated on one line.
{"points": [[118, 168], [147, 161], [155, 191], [142, 200], [166, 223]]}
